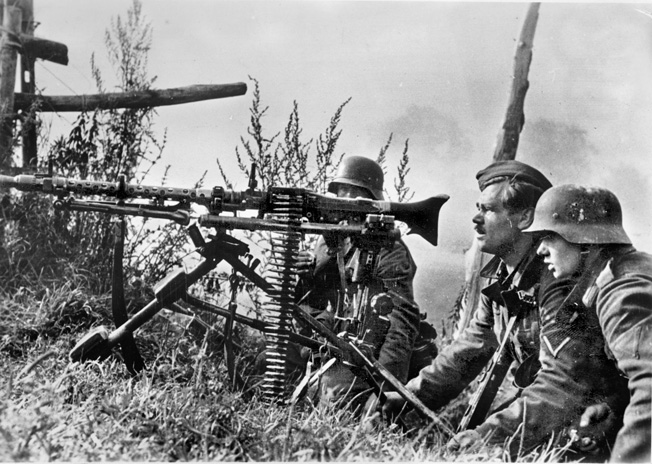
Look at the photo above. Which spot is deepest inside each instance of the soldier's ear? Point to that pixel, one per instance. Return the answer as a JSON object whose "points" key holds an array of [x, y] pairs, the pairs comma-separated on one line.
{"points": [[526, 217]]}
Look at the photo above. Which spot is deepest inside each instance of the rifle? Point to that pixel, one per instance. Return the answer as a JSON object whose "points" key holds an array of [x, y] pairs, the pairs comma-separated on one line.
{"points": [[287, 212], [492, 378], [360, 358]]}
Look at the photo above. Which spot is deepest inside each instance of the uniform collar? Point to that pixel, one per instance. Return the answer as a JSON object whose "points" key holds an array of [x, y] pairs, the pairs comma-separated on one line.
{"points": [[525, 275]]}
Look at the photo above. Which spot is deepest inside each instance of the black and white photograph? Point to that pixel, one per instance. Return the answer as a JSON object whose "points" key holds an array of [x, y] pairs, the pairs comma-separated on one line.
{"points": [[325, 230]]}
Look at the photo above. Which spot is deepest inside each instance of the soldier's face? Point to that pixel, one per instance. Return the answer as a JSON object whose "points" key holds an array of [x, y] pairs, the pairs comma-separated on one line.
{"points": [[563, 258], [352, 191], [497, 229]]}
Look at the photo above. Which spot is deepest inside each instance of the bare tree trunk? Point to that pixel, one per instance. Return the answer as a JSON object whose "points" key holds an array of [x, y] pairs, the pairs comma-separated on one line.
{"points": [[506, 146]]}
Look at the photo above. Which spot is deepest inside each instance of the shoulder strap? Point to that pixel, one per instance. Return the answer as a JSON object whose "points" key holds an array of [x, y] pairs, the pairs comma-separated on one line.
{"points": [[604, 275]]}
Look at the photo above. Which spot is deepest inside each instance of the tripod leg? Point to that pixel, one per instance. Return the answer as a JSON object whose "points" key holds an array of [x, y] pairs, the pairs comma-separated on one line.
{"points": [[229, 356], [130, 353], [98, 344]]}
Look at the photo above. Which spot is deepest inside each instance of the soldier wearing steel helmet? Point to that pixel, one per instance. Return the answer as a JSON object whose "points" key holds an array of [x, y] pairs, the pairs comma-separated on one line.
{"points": [[321, 281], [585, 238], [578, 394]]}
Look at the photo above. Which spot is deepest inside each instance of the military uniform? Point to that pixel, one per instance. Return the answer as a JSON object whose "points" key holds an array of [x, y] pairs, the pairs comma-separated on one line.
{"points": [[394, 274], [584, 234], [623, 305], [463, 360], [575, 373], [507, 299]]}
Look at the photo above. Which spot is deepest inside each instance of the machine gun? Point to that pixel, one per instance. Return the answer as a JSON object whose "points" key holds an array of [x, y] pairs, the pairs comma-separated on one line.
{"points": [[287, 212], [319, 210]]}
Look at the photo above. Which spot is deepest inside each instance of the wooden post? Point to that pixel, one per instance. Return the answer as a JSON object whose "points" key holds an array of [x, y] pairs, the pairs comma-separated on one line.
{"points": [[506, 145], [28, 85], [9, 46]]}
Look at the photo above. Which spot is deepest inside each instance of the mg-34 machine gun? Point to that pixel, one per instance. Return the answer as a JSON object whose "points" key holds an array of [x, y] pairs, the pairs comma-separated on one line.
{"points": [[287, 213]]}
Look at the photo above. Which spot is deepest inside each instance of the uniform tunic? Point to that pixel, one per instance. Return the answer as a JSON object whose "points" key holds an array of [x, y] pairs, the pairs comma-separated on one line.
{"points": [[394, 274], [575, 373], [624, 309], [463, 360]]}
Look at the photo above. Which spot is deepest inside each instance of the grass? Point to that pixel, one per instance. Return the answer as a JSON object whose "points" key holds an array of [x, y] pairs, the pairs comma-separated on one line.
{"points": [[181, 408]]}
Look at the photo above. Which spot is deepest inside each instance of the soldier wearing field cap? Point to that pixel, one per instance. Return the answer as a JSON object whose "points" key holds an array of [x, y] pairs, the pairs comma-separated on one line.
{"points": [[509, 191], [584, 238]]}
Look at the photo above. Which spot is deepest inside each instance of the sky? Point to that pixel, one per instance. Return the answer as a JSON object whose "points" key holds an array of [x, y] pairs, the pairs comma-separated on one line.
{"points": [[436, 74]]}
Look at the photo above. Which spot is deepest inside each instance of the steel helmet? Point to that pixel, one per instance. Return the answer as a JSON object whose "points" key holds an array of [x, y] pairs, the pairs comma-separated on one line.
{"points": [[361, 172], [580, 215]]}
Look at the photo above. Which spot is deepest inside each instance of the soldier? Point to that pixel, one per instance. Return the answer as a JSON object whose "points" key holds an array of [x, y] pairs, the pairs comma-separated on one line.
{"points": [[585, 237], [326, 275], [576, 373], [509, 193]]}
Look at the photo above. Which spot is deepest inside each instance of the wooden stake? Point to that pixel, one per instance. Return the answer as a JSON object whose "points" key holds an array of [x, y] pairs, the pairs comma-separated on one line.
{"points": [[9, 46], [28, 85], [508, 137]]}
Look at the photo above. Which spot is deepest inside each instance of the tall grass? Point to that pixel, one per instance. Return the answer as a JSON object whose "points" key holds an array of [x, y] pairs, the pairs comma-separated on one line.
{"points": [[182, 407]]}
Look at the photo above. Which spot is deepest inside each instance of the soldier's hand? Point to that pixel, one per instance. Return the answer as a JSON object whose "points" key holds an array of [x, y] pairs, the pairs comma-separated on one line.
{"points": [[463, 440], [596, 413], [372, 416], [305, 263], [589, 434], [394, 405]]}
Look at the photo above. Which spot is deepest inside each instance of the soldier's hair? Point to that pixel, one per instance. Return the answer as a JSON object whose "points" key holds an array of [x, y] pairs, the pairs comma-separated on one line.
{"points": [[516, 194]]}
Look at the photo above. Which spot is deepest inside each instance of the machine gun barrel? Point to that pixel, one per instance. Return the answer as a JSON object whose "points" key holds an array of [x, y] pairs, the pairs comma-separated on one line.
{"points": [[215, 199]]}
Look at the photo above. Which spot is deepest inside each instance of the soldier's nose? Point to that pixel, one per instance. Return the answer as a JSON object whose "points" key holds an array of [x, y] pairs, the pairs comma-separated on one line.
{"points": [[542, 249]]}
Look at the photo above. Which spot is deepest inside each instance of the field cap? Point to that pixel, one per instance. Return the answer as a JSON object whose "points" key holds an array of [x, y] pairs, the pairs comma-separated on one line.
{"points": [[515, 170]]}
